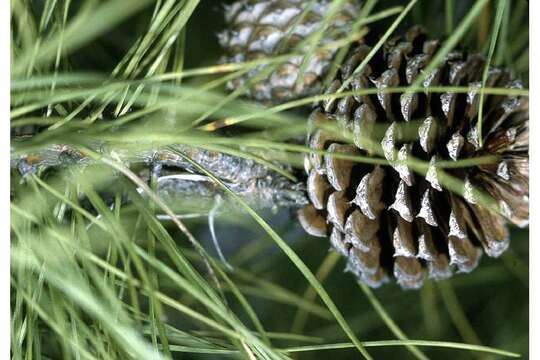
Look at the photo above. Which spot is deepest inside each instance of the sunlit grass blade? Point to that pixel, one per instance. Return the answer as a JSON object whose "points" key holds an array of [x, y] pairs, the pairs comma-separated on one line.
{"points": [[501, 5], [387, 319], [301, 316], [441, 344], [294, 258], [457, 314], [90, 23]]}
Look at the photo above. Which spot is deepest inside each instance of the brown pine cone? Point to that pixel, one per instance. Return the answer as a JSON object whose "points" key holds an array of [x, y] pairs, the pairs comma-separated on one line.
{"points": [[259, 29], [388, 220]]}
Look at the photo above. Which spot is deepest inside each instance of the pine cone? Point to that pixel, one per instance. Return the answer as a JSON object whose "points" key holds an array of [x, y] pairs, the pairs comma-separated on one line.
{"points": [[266, 28], [387, 219]]}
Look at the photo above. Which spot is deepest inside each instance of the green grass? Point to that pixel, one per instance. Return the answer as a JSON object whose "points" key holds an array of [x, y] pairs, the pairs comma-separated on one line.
{"points": [[95, 275]]}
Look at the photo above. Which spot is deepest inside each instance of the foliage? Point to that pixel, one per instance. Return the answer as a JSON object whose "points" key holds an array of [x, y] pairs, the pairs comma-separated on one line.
{"points": [[94, 276]]}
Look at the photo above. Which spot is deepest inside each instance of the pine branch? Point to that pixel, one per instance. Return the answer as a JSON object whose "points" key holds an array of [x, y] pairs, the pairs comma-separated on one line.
{"points": [[176, 178]]}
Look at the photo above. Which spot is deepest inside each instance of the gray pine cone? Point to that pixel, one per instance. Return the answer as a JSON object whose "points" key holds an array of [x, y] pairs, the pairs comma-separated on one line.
{"points": [[268, 28], [389, 221]]}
